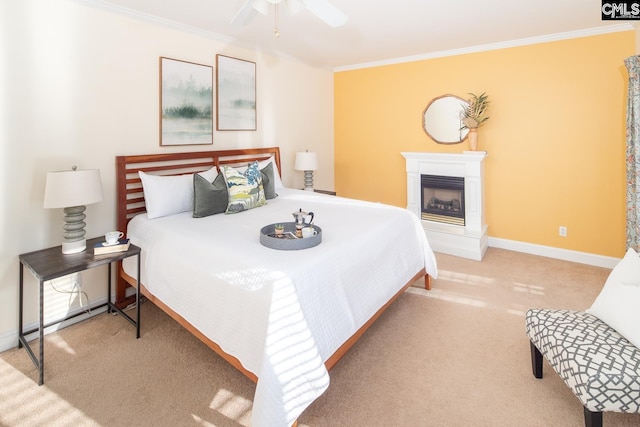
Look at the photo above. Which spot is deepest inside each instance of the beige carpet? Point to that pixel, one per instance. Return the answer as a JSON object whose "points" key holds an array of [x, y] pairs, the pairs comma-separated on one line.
{"points": [[454, 356]]}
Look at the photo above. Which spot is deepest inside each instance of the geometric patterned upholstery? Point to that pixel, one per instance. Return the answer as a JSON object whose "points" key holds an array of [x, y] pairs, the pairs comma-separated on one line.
{"points": [[599, 365]]}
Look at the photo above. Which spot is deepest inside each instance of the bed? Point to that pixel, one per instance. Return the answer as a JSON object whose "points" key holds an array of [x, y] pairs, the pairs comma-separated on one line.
{"points": [[282, 318]]}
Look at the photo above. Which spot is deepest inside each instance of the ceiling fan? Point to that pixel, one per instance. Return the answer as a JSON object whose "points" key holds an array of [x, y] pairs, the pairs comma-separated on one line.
{"points": [[320, 8]]}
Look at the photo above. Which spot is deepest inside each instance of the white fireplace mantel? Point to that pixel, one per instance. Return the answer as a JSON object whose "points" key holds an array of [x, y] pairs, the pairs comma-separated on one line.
{"points": [[470, 240]]}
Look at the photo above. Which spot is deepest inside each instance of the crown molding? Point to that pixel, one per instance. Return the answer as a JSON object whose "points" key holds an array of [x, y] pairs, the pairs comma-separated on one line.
{"points": [[125, 11], [121, 10], [495, 46], [156, 20]]}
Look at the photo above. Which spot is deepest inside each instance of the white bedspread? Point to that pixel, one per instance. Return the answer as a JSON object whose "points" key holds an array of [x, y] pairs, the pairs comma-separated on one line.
{"points": [[281, 313]]}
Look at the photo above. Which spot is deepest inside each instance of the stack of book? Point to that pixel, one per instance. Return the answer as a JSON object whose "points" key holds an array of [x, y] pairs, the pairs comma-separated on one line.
{"points": [[121, 245]]}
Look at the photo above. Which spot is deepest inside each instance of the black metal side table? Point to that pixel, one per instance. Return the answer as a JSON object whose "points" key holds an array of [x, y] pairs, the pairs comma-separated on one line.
{"points": [[51, 263]]}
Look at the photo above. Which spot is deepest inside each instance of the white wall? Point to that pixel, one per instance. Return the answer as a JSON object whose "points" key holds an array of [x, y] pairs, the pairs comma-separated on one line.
{"points": [[80, 86]]}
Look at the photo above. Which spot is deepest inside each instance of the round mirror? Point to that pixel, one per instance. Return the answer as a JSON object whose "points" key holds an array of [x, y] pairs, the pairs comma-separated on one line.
{"points": [[441, 119]]}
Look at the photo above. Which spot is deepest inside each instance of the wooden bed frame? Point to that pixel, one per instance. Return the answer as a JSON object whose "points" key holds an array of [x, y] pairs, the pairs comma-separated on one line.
{"points": [[130, 202]]}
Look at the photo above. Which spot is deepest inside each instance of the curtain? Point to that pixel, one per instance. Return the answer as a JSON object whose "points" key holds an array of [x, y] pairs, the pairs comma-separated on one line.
{"points": [[633, 153]]}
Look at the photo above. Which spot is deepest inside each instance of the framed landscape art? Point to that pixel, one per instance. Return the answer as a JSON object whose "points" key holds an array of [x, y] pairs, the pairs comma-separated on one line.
{"points": [[186, 103], [235, 94]]}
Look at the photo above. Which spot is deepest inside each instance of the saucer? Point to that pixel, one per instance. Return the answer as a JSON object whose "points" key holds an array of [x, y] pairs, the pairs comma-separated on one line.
{"points": [[110, 244]]}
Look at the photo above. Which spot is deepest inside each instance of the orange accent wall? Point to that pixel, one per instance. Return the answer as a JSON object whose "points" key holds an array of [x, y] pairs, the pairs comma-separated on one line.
{"points": [[555, 140]]}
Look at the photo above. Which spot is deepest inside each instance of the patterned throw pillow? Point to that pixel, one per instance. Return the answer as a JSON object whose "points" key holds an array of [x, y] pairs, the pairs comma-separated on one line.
{"points": [[245, 188]]}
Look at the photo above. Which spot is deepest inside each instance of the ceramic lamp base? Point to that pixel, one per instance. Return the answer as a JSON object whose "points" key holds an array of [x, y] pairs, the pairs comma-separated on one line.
{"points": [[308, 180], [74, 247], [74, 231]]}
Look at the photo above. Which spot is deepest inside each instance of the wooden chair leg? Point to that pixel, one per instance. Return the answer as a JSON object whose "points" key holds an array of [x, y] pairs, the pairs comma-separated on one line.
{"points": [[536, 361], [592, 419]]}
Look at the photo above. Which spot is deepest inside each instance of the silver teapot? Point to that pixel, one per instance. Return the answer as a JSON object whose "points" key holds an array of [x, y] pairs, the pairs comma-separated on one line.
{"points": [[300, 217]]}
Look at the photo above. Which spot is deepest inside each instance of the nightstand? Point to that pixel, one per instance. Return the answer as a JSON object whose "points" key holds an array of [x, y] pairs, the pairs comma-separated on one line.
{"points": [[331, 193], [51, 263]]}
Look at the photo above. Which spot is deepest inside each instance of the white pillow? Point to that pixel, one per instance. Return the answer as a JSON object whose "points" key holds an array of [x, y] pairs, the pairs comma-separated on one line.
{"points": [[168, 195], [618, 304], [276, 171], [209, 175]]}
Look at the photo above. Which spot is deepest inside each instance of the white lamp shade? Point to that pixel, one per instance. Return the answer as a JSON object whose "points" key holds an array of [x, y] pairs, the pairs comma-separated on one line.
{"points": [[72, 188], [306, 161]]}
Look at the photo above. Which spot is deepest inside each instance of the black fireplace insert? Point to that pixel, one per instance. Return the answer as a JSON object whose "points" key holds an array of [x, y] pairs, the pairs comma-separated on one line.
{"points": [[442, 199]]}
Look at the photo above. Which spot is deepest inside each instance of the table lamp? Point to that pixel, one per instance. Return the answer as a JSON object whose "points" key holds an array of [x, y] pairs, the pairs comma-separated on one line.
{"points": [[308, 162], [72, 190]]}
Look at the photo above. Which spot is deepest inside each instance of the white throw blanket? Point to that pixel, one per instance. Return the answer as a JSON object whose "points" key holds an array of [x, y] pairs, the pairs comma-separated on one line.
{"points": [[281, 313]]}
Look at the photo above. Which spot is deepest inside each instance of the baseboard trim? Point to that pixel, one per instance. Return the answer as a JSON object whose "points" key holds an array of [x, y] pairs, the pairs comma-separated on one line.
{"points": [[9, 339], [551, 252]]}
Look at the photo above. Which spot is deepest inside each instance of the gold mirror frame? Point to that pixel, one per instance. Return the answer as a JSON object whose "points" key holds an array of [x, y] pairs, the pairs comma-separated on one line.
{"points": [[441, 119]]}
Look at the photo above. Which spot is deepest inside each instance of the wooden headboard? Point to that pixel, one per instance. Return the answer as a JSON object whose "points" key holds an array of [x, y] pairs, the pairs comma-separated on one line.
{"points": [[129, 187], [130, 197]]}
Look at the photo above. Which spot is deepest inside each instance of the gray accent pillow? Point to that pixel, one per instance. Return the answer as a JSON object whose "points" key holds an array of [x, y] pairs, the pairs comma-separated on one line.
{"points": [[268, 181], [209, 198]]}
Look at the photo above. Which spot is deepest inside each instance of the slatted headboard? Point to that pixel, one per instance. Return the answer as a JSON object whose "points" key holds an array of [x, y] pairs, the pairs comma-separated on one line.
{"points": [[130, 197], [129, 187]]}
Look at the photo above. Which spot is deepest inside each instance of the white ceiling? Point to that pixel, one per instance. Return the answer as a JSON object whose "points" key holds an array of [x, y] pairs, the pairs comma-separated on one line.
{"points": [[381, 30]]}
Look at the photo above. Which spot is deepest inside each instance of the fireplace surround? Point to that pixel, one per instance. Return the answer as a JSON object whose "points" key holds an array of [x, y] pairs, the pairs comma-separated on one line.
{"points": [[467, 238]]}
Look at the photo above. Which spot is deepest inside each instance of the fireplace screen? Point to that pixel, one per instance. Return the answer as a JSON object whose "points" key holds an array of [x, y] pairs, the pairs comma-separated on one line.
{"points": [[443, 199]]}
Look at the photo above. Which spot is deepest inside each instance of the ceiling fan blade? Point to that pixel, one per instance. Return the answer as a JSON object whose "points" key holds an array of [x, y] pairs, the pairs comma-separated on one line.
{"points": [[245, 14], [326, 12], [262, 6], [294, 6]]}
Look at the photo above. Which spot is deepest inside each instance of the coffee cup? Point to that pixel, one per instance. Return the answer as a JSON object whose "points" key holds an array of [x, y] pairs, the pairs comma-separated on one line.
{"points": [[308, 232], [112, 237]]}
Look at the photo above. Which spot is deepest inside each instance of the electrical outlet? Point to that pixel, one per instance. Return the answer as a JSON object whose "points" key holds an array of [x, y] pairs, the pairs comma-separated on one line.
{"points": [[562, 231]]}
